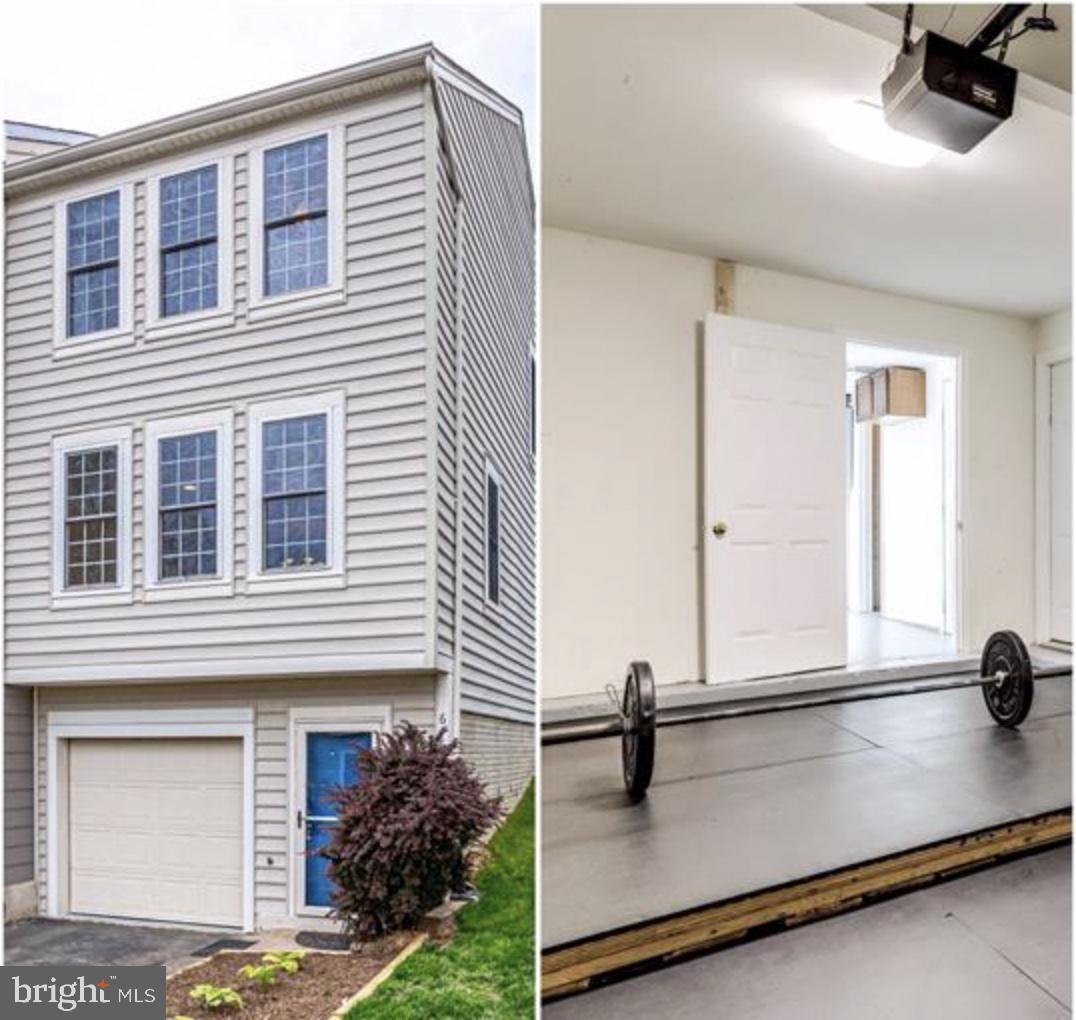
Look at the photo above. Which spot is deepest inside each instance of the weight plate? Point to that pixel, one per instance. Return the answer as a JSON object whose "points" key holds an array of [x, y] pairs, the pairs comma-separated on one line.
{"points": [[1010, 700], [640, 729]]}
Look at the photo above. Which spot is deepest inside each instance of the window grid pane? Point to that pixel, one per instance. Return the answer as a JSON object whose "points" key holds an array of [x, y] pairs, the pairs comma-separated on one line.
{"points": [[294, 486], [296, 225], [189, 278], [189, 207], [297, 256], [91, 519], [188, 510], [93, 252], [93, 300], [93, 231], [296, 179]]}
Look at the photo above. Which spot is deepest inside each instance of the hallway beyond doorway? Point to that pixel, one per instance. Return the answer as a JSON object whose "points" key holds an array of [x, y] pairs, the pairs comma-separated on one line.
{"points": [[874, 639]]}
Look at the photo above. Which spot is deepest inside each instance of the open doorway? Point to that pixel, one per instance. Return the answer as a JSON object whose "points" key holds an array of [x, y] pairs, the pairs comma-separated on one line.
{"points": [[902, 491]]}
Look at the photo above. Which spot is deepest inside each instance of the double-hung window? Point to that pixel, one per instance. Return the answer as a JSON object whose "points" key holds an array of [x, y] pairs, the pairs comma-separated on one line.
{"points": [[493, 536], [297, 492], [297, 221], [296, 205], [91, 521], [188, 241], [189, 278], [93, 264], [189, 505], [294, 487], [91, 529]]}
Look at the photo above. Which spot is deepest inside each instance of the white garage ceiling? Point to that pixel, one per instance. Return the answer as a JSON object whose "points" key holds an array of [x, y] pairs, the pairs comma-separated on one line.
{"points": [[704, 129]]}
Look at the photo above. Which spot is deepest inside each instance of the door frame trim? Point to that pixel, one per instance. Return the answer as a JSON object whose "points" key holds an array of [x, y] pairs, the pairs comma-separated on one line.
{"points": [[962, 426], [303, 719], [143, 724], [1044, 364]]}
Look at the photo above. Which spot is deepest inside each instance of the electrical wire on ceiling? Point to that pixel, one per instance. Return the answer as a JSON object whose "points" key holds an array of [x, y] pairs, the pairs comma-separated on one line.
{"points": [[948, 18], [1032, 23]]}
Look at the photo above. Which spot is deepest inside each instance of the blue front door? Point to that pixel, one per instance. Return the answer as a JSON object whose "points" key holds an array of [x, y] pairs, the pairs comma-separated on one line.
{"points": [[332, 760]]}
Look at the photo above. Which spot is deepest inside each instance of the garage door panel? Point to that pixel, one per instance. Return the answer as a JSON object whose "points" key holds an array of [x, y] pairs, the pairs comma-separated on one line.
{"points": [[156, 829]]}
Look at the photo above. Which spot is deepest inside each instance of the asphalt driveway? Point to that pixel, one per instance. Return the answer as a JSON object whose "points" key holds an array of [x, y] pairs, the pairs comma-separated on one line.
{"points": [[39, 941]]}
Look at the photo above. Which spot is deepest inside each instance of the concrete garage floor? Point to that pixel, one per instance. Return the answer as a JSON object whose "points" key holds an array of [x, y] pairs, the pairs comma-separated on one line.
{"points": [[89, 942], [993, 945], [741, 805]]}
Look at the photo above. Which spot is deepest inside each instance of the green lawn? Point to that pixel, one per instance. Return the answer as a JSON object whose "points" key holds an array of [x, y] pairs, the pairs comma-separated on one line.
{"points": [[487, 971]]}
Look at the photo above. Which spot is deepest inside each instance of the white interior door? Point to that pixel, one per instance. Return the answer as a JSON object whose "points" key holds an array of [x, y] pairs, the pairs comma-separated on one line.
{"points": [[1061, 501], [775, 461]]}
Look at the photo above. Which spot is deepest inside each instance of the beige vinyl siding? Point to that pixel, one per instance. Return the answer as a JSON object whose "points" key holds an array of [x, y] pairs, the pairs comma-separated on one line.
{"points": [[410, 698], [373, 346], [497, 266], [18, 785]]}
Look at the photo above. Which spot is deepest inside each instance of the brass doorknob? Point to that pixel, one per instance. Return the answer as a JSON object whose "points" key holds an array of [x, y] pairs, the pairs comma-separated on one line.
{"points": [[720, 529]]}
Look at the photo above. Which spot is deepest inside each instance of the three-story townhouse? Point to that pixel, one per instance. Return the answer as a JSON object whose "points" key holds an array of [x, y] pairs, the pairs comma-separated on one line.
{"points": [[270, 478]]}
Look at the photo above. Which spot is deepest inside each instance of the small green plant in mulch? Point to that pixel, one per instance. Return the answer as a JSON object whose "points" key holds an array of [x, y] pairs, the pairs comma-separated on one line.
{"points": [[263, 976], [214, 997], [288, 961]]}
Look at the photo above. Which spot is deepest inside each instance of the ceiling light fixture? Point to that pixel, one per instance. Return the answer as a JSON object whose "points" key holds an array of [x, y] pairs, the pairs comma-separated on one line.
{"points": [[860, 128]]}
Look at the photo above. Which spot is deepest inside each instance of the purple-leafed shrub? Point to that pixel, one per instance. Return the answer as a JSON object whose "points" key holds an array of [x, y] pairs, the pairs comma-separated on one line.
{"points": [[404, 831]]}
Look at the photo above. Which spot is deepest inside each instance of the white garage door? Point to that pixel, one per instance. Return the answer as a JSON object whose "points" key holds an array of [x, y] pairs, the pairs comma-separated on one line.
{"points": [[156, 829]]}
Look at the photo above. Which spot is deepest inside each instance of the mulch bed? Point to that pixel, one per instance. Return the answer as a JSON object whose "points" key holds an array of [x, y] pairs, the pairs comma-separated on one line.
{"points": [[315, 993]]}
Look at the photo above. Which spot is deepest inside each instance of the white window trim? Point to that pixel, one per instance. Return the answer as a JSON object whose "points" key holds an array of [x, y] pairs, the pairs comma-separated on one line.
{"points": [[317, 719], [158, 325], [157, 589], [64, 346], [491, 472], [156, 723], [120, 593], [334, 575], [258, 305]]}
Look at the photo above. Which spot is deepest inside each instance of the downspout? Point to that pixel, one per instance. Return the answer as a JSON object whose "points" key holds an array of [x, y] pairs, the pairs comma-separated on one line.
{"points": [[459, 454], [33, 814], [459, 447]]}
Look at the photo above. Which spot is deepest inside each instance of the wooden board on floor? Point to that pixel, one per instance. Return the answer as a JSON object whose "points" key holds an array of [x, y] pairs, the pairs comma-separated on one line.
{"points": [[575, 968]]}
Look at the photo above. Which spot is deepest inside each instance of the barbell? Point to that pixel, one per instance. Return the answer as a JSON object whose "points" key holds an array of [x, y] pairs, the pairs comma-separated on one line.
{"points": [[1006, 678]]}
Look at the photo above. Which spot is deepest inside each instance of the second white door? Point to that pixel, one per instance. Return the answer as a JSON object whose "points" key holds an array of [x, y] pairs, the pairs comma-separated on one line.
{"points": [[775, 471]]}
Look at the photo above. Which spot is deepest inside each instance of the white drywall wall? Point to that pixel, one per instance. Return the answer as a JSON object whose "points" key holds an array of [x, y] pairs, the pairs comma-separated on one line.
{"points": [[1054, 332], [620, 566], [620, 408]]}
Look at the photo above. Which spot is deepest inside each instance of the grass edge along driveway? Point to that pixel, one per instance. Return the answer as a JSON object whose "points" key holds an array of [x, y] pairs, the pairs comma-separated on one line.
{"points": [[487, 971]]}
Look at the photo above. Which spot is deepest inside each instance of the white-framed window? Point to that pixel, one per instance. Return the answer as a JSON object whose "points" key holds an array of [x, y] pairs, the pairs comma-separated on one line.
{"points": [[297, 221], [189, 246], [91, 528], [93, 269], [296, 495], [188, 506], [491, 518]]}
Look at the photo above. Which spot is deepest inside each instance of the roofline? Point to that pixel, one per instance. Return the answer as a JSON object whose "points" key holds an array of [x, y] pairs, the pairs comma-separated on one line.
{"points": [[243, 113], [24, 130]]}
